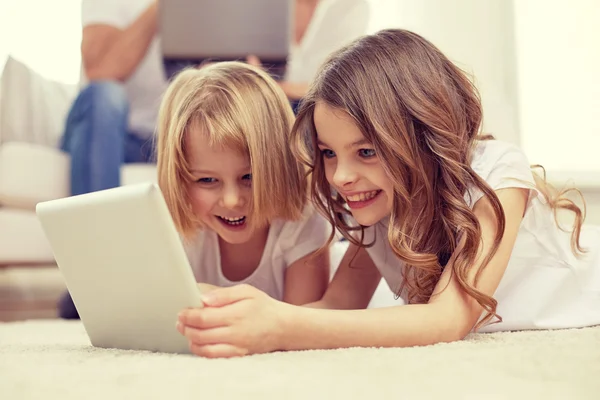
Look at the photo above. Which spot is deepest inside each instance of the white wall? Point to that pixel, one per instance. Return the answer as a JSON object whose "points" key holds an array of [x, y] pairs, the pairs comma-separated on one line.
{"points": [[477, 36], [45, 34], [558, 58], [537, 64]]}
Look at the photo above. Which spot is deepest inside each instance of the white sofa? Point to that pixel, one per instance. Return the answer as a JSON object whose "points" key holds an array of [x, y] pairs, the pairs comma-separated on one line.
{"points": [[32, 168]]}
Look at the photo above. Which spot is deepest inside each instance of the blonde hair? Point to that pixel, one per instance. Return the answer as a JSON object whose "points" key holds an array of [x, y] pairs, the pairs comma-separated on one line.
{"points": [[423, 116], [237, 106]]}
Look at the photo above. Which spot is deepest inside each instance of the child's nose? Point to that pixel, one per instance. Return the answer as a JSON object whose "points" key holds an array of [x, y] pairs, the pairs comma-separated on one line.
{"points": [[344, 174], [232, 198]]}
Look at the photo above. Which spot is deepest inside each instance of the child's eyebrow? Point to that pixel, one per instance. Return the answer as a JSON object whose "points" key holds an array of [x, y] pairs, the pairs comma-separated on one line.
{"points": [[244, 170], [360, 142], [201, 171]]}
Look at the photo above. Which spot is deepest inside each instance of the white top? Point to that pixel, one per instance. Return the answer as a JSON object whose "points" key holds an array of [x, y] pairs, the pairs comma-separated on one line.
{"points": [[334, 24], [287, 242], [146, 85], [544, 285]]}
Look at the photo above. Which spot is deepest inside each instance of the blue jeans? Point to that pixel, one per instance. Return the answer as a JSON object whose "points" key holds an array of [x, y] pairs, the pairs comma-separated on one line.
{"points": [[97, 138]]}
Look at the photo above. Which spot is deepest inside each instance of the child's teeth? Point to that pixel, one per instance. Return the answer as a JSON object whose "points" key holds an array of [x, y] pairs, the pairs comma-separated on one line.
{"points": [[234, 220], [363, 196]]}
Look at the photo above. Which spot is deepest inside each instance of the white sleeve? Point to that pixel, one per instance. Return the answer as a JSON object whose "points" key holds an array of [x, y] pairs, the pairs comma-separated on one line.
{"points": [[117, 13], [502, 165], [300, 238], [512, 169], [337, 23], [334, 24]]}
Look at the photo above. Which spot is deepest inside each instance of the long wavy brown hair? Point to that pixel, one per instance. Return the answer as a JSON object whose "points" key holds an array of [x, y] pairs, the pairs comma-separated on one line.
{"points": [[423, 116]]}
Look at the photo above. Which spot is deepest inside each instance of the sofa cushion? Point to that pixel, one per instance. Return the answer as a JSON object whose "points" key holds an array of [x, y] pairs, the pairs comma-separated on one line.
{"points": [[22, 240], [138, 173], [33, 109], [30, 173]]}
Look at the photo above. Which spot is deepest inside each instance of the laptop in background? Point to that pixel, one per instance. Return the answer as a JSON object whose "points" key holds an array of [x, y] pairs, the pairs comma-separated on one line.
{"points": [[196, 31]]}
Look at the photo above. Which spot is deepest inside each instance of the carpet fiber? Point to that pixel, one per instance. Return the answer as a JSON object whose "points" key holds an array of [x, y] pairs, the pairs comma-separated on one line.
{"points": [[52, 359]]}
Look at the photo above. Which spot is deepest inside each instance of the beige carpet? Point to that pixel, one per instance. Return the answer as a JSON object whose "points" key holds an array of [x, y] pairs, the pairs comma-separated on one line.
{"points": [[51, 359]]}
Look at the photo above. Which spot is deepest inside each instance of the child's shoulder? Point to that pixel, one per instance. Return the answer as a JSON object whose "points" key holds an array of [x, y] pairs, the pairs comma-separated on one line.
{"points": [[310, 215], [501, 165], [311, 222], [487, 153], [493, 159]]}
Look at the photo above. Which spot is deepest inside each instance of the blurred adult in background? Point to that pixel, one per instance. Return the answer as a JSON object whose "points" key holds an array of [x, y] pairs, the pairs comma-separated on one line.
{"points": [[113, 118]]}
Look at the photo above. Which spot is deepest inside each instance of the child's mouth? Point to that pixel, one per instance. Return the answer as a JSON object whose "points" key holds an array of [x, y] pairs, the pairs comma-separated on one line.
{"points": [[362, 200], [233, 222]]}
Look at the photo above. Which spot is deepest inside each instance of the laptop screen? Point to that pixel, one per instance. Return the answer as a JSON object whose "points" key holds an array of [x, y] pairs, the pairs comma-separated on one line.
{"points": [[194, 31]]}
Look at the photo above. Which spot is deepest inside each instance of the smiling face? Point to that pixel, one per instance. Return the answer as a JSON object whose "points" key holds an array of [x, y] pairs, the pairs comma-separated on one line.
{"points": [[212, 122], [221, 189], [351, 166]]}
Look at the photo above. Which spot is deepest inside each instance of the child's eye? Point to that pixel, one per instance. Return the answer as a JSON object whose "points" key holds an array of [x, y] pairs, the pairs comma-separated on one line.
{"points": [[327, 153], [206, 180], [247, 177], [366, 153]]}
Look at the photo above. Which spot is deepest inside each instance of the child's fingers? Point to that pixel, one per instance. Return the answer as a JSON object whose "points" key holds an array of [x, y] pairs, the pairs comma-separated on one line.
{"points": [[206, 287], [203, 337], [225, 296], [203, 318], [217, 350]]}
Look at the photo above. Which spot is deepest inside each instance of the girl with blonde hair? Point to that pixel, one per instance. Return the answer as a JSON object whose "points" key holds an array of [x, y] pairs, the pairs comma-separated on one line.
{"points": [[457, 223], [236, 194]]}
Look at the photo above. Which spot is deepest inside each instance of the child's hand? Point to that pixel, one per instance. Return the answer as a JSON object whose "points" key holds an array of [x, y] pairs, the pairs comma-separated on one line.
{"points": [[254, 61], [235, 321], [206, 287]]}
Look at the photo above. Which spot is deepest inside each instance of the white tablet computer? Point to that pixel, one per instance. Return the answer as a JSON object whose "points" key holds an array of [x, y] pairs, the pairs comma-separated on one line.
{"points": [[124, 265]]}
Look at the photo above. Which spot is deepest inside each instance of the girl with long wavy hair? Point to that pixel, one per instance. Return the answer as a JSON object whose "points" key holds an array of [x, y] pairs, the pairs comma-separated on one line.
{"points": [[459, 224]]}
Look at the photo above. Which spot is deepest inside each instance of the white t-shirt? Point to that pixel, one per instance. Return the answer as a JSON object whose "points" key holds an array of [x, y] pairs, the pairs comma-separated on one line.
{"points": [[147, 84], [287, 242], [544, 286], [334, 24]]}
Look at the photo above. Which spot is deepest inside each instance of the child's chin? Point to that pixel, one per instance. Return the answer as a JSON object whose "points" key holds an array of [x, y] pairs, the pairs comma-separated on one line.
{"points": [[234, 238], [368, 219], [364, 221]]}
